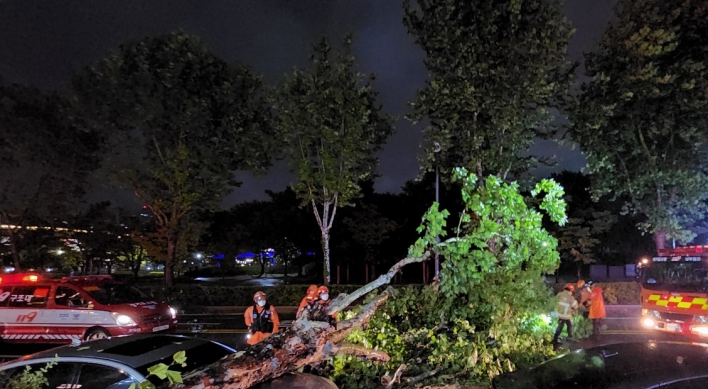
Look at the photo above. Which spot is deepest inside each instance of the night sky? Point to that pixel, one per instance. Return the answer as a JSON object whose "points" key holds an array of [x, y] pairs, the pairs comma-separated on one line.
{"points": [[44, 42]]}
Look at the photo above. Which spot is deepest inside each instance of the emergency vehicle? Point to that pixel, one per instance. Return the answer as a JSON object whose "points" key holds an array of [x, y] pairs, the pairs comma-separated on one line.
{"points": [[35, 309], [674, 291]]}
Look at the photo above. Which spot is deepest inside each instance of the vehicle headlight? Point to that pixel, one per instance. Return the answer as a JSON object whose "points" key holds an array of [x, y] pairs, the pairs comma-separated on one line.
{"points": [[173, 312], [123, 320], [651, 313], [700, 319]]}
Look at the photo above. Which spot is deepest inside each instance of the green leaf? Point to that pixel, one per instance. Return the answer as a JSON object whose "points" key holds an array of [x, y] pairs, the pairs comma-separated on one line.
{"points": [[174, 376], [159, 370], [180, 357]]}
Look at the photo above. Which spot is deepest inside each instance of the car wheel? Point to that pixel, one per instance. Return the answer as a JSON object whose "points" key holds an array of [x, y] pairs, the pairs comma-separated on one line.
{"points": [[96, 333]]}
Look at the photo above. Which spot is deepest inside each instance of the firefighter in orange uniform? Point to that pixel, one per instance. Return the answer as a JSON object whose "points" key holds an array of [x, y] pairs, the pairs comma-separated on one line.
{"points": [[309, 300], [324, 301], [597, 307], [261, 319]]}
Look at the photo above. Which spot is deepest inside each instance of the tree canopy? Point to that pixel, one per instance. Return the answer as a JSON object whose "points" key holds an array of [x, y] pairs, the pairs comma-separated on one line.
{"points": [[642, 121], [329, 119], [189, 118], [496, 67]]}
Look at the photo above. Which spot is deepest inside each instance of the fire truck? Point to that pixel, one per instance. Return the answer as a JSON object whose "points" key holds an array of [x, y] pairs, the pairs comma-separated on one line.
{"points": [[674, 291], [35, 309]]}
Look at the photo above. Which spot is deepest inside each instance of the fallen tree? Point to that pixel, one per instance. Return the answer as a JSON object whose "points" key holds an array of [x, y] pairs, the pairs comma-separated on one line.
{"points": [[306, 342]]}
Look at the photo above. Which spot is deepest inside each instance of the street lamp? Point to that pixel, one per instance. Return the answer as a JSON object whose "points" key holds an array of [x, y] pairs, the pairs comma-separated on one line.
{"points": [[436, 149], [60, 252]]}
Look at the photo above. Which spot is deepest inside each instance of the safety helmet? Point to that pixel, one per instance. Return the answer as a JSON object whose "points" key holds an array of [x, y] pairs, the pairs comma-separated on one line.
{"points": [[312, 291], [589, 284], [581, 283], [259, 296], [323, 289], [569, 287]]}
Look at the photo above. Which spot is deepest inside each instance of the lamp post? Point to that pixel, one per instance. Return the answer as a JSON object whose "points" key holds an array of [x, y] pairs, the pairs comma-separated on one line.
{"points": [[436, 149]]}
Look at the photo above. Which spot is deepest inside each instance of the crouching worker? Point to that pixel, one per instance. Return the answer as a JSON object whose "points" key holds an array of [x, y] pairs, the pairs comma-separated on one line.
{"points": [[324, 301], [261, 319], [565, 306]]}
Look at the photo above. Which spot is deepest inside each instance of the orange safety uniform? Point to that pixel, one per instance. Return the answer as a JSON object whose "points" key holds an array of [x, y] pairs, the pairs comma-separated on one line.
{"points": [[309, 298], [261, 320], [323, 290], [597, 304]]}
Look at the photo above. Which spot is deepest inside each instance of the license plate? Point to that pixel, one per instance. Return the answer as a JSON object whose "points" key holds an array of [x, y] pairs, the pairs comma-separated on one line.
{"points": [[673, 327], [161, 328]]}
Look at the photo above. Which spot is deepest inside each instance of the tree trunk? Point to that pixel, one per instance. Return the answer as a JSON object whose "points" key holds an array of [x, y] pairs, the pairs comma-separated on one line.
{"points": [[285, 266], [366, 273], [347, 273], [262, 272], [171, 246], [13, 249], [136, 269], [660, 239], [325, 252]]}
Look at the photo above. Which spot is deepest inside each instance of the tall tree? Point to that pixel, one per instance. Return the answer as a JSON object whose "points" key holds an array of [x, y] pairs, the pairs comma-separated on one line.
{"points": [[190, 119], [45, 159], [496, 66], [329, 118], [642, 119]]}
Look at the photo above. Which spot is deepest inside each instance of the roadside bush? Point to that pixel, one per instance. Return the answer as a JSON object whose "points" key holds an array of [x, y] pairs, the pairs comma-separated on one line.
{"points": [[615, 293], [194, 296]]}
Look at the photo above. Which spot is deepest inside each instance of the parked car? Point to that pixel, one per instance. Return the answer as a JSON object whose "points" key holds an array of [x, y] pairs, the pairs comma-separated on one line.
{"points": [[639, 365], [37, 309], [115, 363]]}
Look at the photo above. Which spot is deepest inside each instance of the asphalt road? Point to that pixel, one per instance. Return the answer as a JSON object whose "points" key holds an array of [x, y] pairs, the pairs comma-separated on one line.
{"points": [[226, 325]]}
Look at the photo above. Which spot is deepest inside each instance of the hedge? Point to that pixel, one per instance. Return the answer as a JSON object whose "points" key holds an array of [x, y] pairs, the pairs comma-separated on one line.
{"points": [[195, 296], [615, 293]]}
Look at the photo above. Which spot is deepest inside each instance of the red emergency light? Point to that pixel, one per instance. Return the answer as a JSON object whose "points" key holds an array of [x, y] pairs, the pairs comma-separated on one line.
{"points": [[7, 278]]}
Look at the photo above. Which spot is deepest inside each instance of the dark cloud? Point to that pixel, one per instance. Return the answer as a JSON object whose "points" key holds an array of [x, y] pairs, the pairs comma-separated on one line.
{"points": [[44, 42]]}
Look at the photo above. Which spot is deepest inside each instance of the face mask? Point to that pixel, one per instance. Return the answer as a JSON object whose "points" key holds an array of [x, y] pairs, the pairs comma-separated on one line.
{"points": [[324, 297], [261, 303]]}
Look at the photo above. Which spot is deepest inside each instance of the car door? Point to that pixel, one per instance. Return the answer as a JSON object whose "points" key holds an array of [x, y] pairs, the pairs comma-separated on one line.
{"points": [[72, 313], [25, 313], [94, 376]]}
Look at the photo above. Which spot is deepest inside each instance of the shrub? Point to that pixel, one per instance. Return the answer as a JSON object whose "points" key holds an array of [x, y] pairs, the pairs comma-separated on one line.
{"points": [[193, 296], [615, 293]]}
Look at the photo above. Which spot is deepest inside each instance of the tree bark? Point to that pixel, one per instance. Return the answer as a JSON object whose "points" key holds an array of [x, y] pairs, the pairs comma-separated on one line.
{"points": [[304, 343], [325, 251], [660, 239], [171, 246]]}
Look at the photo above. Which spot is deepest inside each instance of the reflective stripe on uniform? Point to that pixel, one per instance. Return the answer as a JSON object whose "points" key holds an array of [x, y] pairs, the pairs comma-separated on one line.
{"points": [[678, 302]]}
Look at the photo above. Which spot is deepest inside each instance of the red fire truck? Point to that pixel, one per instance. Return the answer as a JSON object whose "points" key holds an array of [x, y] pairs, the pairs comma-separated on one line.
{"points": [[674, 291], [35, 309]]}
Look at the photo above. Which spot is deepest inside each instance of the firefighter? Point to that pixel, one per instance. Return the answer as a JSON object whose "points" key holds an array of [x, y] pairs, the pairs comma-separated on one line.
{"points": [[585, 293], [261, 319], [308, 301], [565, 306], [597, 307], [323, 293]]}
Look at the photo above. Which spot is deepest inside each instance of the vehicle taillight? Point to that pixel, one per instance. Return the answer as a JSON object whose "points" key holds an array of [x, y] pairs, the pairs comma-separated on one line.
{"points": [[0, 280], [30, 278]]}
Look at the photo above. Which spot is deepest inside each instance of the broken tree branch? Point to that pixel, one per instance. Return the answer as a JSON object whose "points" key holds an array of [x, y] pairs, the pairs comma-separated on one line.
{"points": [[345, 300], [304, 343]]}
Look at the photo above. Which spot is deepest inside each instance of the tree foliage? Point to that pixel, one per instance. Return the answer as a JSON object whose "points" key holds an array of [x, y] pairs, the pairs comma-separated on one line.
{"points": [[642, 119], [483, 317], [45, 159], [495, 69], [328, 117], [189, 118]]}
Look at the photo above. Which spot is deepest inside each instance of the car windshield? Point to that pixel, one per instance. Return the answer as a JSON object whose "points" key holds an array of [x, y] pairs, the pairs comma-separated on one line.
{"points": [[197, 357], [676, 276], [110, 294]]}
